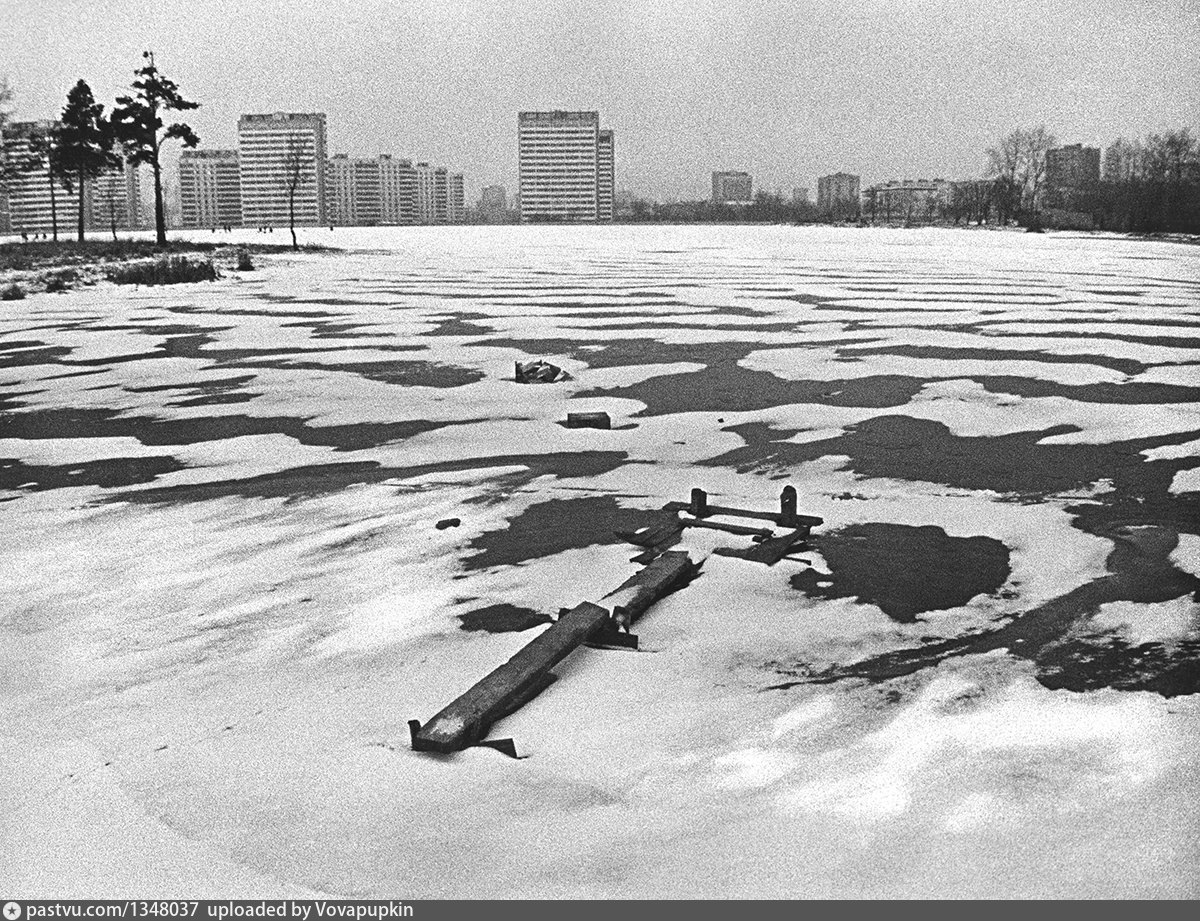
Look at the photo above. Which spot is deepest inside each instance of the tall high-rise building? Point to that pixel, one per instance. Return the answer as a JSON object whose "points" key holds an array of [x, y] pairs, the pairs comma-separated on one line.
{"points": [[441, 195], [605, 174], [398, 191], [731, 187], [457, 208], [354, 195], [278, 151], [837, 195], [210, 188], [33, 203], [563, 164], [114, 199], [425, 194]]}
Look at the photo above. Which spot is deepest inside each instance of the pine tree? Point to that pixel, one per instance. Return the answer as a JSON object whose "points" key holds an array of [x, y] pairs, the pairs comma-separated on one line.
{"points": [[141, 130], [43, 147], [85, 143]]}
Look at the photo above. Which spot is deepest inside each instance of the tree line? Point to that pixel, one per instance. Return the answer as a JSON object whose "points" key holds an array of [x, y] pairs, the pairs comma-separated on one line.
{"points": [[85, 142], [1147, 186]]}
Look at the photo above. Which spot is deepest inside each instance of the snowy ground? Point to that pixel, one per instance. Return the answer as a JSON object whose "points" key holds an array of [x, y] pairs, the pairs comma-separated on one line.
{"points": [[225, 593]]}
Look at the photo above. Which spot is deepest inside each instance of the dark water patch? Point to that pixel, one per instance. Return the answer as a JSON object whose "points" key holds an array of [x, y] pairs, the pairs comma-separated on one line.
{"points": [[904, 448], [110, 473], [503, 618], [248, 312], [324, 329], [551, 527], [460, 324], [1128, 366], [108, 423], [214, 399], [905, 571], [729, 387], [652, 324], [1091, 664], [1131, 393], [404, 373], [617, 353], [325, 479], [1170, 342], [215, 385], [25, 358], [1139, 570]]}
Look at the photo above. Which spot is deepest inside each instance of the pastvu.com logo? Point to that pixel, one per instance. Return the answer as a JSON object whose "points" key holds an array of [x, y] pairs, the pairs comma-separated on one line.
{"points": [[12, 911]]}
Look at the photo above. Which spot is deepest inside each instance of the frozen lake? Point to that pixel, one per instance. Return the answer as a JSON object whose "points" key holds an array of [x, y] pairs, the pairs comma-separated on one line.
{"points": [[225, 592]]}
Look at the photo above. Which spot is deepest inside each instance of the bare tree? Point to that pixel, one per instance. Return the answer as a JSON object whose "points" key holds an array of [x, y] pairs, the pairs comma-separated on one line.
{"points": [[296, 176], [43, 153], [1036, 143]]}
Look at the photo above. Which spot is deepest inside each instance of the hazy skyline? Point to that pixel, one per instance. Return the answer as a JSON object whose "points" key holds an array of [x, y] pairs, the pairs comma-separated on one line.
{"points": [[786, 91]]}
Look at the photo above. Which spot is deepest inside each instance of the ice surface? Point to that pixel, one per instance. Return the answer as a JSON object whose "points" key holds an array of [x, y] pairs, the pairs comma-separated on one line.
{"points": [[206, 672]]}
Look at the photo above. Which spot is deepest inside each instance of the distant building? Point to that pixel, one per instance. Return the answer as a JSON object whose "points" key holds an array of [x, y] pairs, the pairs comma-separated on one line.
{"points": [[837, 195], [397, 191], [731, 188], [210, 188], [426, 195], [800, 195], [354, 196], [441, 195], [272, 148], [605, 174], [457, 208], [32, 204], [114, 200], [1072, 167], [493, 198], [493, 205], [566, 164]]}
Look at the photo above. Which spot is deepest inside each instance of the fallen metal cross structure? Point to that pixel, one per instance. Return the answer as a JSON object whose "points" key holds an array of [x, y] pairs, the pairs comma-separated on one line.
{"points": [[467, 720]]}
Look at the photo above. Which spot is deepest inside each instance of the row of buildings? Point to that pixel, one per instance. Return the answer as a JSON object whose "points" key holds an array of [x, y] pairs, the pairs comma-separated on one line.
{"points": [[30, 203], [280, 167]]}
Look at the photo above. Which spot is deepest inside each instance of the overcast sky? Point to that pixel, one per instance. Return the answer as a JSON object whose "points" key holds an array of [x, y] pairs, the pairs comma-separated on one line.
{"points": [[785, 90]]}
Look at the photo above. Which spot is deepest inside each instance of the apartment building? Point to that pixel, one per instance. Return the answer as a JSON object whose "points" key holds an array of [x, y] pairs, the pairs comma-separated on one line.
{"points": [[210, 188], [281, 154], [563, 165]]}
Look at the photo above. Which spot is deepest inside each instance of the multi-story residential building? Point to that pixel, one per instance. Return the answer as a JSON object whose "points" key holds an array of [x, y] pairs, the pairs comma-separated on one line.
{"points": [[210, 188], [282, 153], [731, 188], [397, 191], [458, 205], [837, 195], [563, 164], [493, 204], [354, 195], [114, 200], [493, 198], [33, 202], [441, 195], [425, 193], [605, 174], [1072, 167]]}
